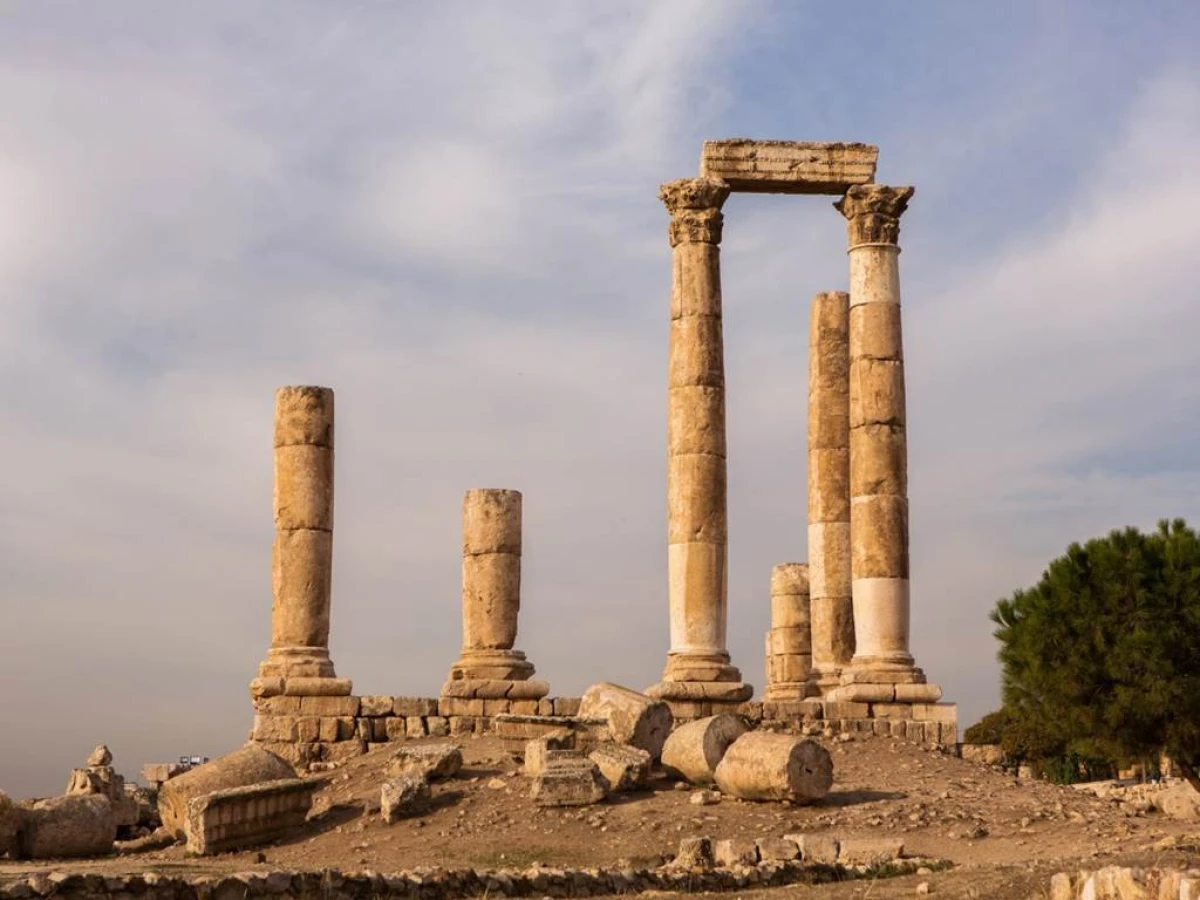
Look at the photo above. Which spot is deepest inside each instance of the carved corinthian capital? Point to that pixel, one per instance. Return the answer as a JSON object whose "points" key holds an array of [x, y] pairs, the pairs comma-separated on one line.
{"points": [[873, 212], [695, 208]]}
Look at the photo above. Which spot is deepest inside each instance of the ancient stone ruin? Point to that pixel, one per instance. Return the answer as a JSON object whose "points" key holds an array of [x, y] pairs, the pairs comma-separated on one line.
{"points": [[837, 652]]}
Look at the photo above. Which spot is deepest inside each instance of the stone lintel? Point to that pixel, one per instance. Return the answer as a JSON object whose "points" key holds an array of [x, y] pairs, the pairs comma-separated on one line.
{"points": [[789, 167], [496, 689]]}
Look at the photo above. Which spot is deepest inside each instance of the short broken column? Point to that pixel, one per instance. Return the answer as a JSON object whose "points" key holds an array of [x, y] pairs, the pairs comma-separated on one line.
{"points": [[698, 665], [829, 488], [789, 642], [298, 660], [488, 666], [878, 450]]}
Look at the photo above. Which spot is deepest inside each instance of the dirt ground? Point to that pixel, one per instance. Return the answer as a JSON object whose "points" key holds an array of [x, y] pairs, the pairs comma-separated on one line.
{"points": [[1005, 838]]}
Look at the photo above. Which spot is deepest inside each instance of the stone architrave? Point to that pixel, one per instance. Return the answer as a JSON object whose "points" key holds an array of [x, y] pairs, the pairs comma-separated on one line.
{"points": [[829, 487], [491, 600], [878, 447], [789, 642], [789, 167], [298, 660], [698, 665]]}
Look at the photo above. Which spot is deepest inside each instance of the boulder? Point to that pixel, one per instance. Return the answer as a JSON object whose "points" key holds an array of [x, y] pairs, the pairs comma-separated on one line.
{"points": [[432, 762], [761, 765], [403, 795], [1180, 801], [101, 756], [632, 717], [10, 819], [249, 765], [624, 768], [569, 782], [694, 750], [74, 825]]}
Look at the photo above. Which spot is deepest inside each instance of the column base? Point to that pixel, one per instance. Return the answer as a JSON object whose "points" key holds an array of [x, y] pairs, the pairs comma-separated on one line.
{"points": [[495, 689], [701, 676], [885, 685], [491, 665], [790, 690], [298, 672]]}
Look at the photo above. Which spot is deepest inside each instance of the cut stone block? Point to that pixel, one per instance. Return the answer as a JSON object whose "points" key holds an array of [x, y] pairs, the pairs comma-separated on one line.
{"points": [[624, 768], [246, 816], [777, 850], [695, 853], [870, 851], [735, 852], [74, 825], [788, 167], [569, 783], [250, 765], [816, 848]]}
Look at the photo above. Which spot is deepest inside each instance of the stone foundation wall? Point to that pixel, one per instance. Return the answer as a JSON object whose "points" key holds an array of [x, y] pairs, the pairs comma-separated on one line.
{"points": [[318, 732]]}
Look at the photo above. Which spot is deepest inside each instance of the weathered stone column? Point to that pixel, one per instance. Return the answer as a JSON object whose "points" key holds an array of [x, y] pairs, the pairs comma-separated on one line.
{"points": [[789, 642], [298, 660], [829, 487], [489, 667], [878, 446], [698, 666]]}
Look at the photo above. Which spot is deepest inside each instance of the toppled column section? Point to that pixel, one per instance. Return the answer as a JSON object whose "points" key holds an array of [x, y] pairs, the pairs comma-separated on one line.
{"points": [[695, 749], [761, 765], [489, 667], [698, 666], [298, 661], [247, 816], [249, 766], [788, 167], [637, 720], [829, 488], [878, 453]]}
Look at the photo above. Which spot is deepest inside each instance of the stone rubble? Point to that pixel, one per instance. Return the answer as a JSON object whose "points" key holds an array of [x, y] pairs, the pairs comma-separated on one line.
{"points": [[403, 795]]}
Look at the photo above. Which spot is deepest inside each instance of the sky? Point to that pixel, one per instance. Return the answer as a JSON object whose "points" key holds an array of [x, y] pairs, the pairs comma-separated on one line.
{"points": [[447, 213]]}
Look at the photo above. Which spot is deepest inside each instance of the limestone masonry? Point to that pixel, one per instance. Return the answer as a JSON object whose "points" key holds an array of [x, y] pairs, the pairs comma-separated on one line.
{"points": [[837, 653]]}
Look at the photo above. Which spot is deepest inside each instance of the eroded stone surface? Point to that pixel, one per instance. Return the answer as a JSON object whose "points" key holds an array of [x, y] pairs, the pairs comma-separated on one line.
{"points": [[789, 167], [761, 765]]}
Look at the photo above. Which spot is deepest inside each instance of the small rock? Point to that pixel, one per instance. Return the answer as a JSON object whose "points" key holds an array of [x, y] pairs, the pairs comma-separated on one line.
{"points": [[432, 762], [704, 798], [101, 756], [497, 784], [923, 888]]}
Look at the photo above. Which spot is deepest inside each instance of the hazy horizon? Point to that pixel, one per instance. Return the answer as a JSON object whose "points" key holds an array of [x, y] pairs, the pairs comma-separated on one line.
{"points": [[448, 214]]}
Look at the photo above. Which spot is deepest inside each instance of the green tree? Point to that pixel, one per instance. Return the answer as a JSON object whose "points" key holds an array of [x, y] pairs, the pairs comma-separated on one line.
{"points": [[1103, 653]]}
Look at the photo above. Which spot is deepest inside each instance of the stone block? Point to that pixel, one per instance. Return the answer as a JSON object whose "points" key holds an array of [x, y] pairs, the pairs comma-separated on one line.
{"points": [[777, 849], [523, 707], [918, 693], [870, 851], [327, 729], [308, 729], [735, 852], [362, 728], [403, 795], [460, 725], [414, 726], [947, 733], [317, 686], [567, 706], [246, 816], [633, 718], [69, 826], [695, 853], [541, 752], [437, 726], [278, 706], [497, 707], [379, 729], [329, 706], [415, 706], [375, 705], [789, 167], [844, 709], [274, 728], [865, 693], [935, 712], [625, 768], [569, 783], [545, 707], [345, 728], [816, 848], [344, 750], [892, 711], [915, 731]]}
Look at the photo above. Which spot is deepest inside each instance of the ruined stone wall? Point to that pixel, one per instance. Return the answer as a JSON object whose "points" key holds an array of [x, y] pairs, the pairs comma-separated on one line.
{"points": [[318, 731]]}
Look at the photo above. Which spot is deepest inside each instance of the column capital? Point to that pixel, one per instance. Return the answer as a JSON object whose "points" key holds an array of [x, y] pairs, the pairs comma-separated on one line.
{"points": [[873, 212], [695, 208]]}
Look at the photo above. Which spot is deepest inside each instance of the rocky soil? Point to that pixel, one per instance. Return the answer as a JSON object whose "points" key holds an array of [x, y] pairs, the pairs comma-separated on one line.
{"points": [[1005, 837]]}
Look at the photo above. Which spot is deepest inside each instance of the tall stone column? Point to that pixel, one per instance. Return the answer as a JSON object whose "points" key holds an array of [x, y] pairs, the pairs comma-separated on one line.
{"points": [[698, 665], [489, 667], [829, 487], [298, 660], [789, 642], [878, 447]]}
